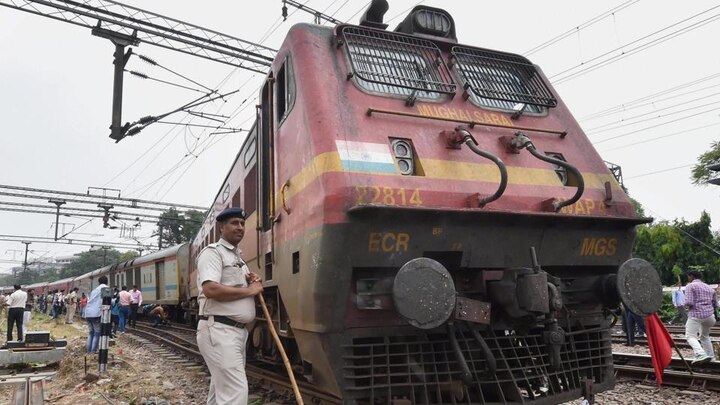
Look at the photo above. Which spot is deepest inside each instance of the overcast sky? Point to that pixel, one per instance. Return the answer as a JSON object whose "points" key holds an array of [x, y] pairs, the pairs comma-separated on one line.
{"points": [[56, 89]]}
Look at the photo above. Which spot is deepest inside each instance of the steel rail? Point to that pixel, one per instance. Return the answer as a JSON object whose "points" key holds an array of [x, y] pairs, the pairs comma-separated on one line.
{"points": [[258, 375]]}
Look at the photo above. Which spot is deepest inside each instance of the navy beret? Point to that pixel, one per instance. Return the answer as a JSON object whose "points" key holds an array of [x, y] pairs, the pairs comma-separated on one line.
{"points": [[231, 212]]}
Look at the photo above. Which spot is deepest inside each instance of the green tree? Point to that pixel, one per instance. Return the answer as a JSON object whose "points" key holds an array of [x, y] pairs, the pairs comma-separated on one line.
{"points": [[129, 255], [175, 227], [639, 210], [90, 260], [680, 245], [700, 172]]}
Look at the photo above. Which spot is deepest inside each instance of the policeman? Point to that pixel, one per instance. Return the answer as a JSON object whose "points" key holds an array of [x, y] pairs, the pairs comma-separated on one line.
{"points": [[226, 303]]}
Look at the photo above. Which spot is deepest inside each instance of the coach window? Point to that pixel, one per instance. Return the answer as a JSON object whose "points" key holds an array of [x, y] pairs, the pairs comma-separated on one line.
{"points": [[236, 198], [250, 147], [250, 203], [284, 91]]}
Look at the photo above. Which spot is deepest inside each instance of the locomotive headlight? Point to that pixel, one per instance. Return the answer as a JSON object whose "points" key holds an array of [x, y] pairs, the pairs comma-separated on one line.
{"points": [[373, 293], [404, 157]]}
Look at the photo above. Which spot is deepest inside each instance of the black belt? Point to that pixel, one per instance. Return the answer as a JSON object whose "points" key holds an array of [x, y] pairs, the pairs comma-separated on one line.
{"points": [[224, 320]]}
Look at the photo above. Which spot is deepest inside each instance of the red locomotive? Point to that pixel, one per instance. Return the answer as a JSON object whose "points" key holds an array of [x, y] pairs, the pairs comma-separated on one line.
{"points": [[431, 222]]}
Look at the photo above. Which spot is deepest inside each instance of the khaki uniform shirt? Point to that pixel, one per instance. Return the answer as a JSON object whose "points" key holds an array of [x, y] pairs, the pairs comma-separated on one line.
{"points": [[72, 298], [220, 262]]}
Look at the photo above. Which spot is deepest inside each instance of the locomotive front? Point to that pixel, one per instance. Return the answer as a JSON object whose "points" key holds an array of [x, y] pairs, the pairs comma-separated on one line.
{"points": [[455, 237]]}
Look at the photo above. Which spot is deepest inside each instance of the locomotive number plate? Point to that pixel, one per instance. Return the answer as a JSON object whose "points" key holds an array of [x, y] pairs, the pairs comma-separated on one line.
{"points": [[387, 195]]}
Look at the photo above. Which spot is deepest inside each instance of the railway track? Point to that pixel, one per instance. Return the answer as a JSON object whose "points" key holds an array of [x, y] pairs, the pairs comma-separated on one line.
{"points": [[642, 341], [178, 344], [639, 368], [680, 330]]}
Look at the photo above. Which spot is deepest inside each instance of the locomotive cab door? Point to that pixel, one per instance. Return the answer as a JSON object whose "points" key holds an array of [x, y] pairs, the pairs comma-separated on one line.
{"points": [[266, 180]]}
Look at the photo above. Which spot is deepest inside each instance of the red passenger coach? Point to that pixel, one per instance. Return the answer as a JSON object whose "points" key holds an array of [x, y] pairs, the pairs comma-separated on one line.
{"points": [[430, 220]]}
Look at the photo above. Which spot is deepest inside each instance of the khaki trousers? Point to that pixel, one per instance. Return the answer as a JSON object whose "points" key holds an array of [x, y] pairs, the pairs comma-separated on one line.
{"points": [[3, 315], [223, 348], [71, 312], [700, 328]]}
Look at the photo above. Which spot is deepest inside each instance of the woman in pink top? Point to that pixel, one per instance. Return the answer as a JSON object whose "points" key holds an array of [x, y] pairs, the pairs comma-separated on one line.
{"points": [[83, 304], [125, 300]]}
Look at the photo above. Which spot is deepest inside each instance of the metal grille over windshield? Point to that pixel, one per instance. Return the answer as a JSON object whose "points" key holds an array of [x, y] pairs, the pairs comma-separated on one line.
{"points": [[396, 64], [500, 76]]}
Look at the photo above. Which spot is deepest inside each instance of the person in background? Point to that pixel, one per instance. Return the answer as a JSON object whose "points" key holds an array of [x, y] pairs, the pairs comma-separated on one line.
{"points": [[43, 303], [135, 303], [58, 303], [50, 299], [83, 304], [124, 298], [158, 315], [114, 316], [625, 319], [92, 314], [3, 308], [71, 305], [702, 303], [678, 300], [16, 303], [29, 302]]}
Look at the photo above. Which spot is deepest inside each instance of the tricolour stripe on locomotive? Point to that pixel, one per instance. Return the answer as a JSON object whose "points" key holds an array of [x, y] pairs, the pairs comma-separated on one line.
{"points": [[361, 163]]}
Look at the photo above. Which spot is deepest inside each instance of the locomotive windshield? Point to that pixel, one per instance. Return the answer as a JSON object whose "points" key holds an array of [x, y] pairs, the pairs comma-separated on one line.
{"points": [[395, 64], [500, 80]]}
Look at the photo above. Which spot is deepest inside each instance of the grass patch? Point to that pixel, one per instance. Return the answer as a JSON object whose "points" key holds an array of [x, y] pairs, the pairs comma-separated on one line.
{"points": [[58, 329]]}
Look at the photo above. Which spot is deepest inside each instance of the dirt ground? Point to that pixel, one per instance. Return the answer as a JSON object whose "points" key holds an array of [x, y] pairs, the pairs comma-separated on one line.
{"points": [[135, 375]]}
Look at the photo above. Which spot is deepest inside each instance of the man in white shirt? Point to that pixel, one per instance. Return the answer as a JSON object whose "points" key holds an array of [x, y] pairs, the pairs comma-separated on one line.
{"points": [[678, 300], [227, 302], [92, 314], [16, 302]]}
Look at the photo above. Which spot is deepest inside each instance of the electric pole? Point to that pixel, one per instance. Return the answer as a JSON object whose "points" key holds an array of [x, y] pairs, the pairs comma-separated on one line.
{"points": [[57, 203], [25, 262]]}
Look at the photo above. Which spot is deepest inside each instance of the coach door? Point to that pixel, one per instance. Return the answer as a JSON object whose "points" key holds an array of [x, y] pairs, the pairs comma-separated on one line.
{"points": [[136, 279], [160, 281]]}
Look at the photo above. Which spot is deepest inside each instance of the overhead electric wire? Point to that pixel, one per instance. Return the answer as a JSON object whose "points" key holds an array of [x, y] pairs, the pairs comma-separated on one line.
{"points": [[359, 11], [580, 27], [658, 171], [147, 77], [338, 9], [623, 124], [654, 126], [404, 12], [197, 125], [657, 138], [652, 103], [152, 62], [182, 160], [633, 104], [625, 53]]}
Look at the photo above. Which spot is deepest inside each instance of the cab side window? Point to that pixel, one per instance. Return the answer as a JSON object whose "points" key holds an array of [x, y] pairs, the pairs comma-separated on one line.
{"points": [[284, 91]]}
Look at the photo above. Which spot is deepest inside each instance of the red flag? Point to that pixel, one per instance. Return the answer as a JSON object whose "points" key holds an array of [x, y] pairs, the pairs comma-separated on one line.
{"points": [[660, 343]]}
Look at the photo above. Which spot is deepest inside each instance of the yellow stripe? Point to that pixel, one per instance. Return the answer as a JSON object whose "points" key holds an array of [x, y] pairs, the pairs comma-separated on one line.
{"points": [[449, 170]]}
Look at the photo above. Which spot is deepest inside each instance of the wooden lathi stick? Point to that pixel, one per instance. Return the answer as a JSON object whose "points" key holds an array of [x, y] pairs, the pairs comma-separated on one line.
{"points": [[296, 389], [683, 358]]}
